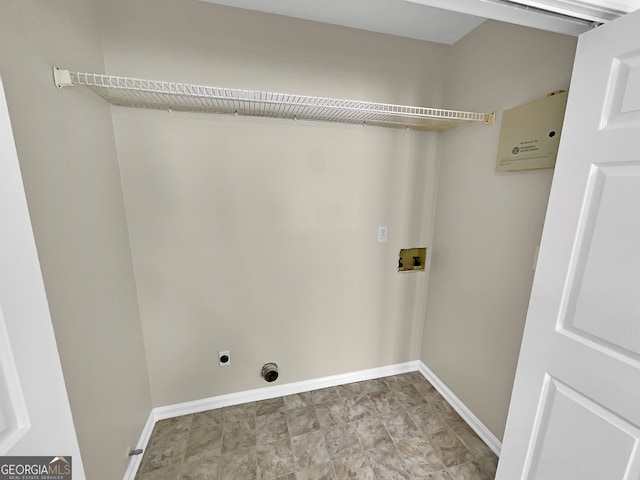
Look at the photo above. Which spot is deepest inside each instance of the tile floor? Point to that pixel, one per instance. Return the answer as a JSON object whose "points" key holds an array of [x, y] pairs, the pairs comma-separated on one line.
{"points": [[395, 427]]}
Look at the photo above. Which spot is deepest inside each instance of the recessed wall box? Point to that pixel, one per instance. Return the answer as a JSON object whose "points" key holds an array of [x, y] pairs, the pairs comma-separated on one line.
{"points": [[530, 134], [412, 259]]}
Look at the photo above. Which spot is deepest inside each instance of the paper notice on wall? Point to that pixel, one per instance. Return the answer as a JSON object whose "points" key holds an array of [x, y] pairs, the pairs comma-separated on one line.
{"points": [[530, 134]]}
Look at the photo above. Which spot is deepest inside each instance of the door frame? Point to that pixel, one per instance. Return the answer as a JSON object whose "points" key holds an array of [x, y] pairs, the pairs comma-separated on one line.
{"points": [[39, 420]]}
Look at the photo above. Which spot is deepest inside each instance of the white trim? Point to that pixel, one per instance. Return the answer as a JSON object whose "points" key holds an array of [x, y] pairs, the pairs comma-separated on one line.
{"points": [[602, 11], [14, 415], [196, 406], [265, 393], [33, 398], [135, 461], [467, 415], [509, 11]]}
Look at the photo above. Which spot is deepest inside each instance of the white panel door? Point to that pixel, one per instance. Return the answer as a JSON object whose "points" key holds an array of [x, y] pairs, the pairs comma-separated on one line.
{"points": [[35, 417], [575, 408]]}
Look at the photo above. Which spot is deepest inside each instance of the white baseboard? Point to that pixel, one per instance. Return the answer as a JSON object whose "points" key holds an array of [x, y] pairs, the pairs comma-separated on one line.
{"points": [[196, 406], [467, 415], [265, 393], [134, 463]]}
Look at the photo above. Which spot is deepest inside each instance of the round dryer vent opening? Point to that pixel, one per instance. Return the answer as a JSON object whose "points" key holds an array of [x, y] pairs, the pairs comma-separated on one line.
{"points": [[270, 372]]}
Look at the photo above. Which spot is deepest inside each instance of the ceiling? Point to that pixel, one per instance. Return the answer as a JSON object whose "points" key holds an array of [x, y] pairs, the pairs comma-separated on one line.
{"points": [[445, 21]]}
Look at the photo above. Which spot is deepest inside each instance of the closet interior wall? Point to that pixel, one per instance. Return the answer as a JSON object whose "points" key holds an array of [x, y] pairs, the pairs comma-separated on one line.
{"points": [[257, 235], [488, 224], [67, 156]]}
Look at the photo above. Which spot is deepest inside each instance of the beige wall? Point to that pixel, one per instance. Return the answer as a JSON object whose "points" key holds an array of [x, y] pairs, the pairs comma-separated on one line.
{"points": [[68, 160], [258, 235], [488, 224]]}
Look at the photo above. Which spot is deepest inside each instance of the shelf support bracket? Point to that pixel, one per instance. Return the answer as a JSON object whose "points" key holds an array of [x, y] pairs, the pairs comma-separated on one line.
{"points": [[62, 78], [491, 118]]}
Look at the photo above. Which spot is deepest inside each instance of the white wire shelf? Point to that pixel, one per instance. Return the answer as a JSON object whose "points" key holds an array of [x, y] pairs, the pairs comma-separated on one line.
{"points": [[159, 95]]}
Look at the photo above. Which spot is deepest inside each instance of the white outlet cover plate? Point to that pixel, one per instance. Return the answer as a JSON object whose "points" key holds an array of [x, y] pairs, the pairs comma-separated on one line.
{"points": [[383, 232]]}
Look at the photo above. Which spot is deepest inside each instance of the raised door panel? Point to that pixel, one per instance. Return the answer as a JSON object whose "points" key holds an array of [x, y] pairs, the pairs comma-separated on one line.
{"points": [[603, 290], [579, 439]]}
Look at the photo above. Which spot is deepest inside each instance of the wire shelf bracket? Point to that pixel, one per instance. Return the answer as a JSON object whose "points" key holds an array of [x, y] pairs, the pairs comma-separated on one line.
{"points": [[183, 97]]}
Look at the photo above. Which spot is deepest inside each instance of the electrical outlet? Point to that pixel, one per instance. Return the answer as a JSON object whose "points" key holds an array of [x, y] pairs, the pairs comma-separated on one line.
{"points": [[224, 358], [383, 231]]}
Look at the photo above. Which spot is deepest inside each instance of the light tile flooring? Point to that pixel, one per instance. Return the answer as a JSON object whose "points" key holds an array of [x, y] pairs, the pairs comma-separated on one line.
{"points": [[395, 427]]}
